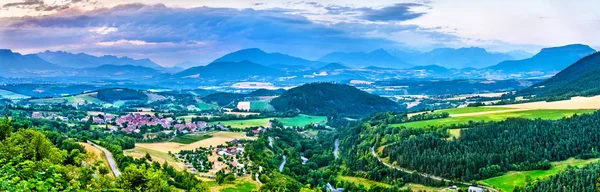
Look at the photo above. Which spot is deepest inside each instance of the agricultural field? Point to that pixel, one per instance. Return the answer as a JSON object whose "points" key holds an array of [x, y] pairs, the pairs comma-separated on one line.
{"points": [[466, 110], [217, 138], [510, 180], [573, 103], [551, 114], [12, 95], [300, 120], [260, 106], [205, 106], [190, 138], [158, 156]]}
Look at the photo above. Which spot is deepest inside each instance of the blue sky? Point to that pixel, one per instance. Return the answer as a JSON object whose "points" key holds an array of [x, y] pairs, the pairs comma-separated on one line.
{"points": [[174, 31]]}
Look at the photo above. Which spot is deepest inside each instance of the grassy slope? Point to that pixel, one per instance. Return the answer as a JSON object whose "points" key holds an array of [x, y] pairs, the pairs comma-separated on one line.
{"points": [[511, 179], [532, 114]]}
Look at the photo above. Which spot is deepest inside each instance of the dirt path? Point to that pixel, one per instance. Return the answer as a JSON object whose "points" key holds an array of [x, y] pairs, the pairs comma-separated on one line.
{"points": [[422, 174], [488, 112], [109, 157]]}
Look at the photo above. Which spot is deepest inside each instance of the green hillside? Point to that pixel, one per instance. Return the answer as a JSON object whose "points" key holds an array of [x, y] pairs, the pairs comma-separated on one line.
{"points": [[331, 100]]}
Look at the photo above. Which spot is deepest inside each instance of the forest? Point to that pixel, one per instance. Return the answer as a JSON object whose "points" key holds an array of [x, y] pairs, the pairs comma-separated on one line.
{"points": [[490, 149]]}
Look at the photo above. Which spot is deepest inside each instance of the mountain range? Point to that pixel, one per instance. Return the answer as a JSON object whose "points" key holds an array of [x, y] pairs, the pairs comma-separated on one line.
{"points": [[547, 60], [15, 65], [82, 60], [379, 58], [579, 79], [259, 56]]}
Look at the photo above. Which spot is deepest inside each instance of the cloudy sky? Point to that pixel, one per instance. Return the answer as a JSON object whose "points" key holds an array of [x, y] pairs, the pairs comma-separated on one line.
{"points": [[174, 31]]}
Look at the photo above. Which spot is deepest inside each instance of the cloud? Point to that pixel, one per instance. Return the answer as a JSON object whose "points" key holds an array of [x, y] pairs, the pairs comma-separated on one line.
{"points": [[396, 12], [41, 6], [205, 33]]}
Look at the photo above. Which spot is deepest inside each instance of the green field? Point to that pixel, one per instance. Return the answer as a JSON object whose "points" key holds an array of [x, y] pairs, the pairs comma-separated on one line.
{"points": [[11, 95], [470, 110], [511, 179], [359, 180], [205, 106], [531, 114], [190, 138], [300, 120], [260, 106], [454, 133]]}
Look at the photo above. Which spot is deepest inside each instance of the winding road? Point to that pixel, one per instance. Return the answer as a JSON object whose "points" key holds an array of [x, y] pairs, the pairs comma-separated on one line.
{"points": [[109, 158], [423, 174], [282, 164], [337, 148]]}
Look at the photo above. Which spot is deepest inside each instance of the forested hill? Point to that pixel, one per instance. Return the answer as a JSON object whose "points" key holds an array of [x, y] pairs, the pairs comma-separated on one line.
{"points": [[332, 100], [579, 79]]}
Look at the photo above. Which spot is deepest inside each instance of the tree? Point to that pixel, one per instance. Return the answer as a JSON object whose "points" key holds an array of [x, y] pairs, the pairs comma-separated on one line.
{"points": [[5, 128], [148, 157], [229, 178]]}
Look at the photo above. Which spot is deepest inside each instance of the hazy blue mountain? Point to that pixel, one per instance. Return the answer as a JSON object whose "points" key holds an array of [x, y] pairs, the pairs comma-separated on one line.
{"points": [[518, 54], [119, 71], [547, 60], [224, 70], [189, 64], [82, 60], [377, 58], [15, 65], [460, 58], [259, 56], [291, 68], [579, 79], [333, 66]]}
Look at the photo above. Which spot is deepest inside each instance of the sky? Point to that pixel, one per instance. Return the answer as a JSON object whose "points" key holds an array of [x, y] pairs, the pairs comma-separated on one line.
{"points": [[174, 31]]}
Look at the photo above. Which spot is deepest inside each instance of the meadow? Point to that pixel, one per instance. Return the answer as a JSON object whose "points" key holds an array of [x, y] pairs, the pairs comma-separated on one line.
{"points": [[510, 180], [300, 120], [550, 114], [359, 180], [94, 154], [465, 110], [190, 138], [218, 138], [11, 95]]}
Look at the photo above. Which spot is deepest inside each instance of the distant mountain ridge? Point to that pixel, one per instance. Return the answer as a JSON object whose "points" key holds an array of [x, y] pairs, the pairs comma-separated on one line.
{"points": [[259, 56], [579, 79], [378, 58], [547, 60], [223, 70], [457, 58], [82, 60], [14, 64]]}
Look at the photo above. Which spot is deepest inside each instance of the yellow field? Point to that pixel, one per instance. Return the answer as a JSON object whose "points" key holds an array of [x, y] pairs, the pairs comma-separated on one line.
{"points": [[161, 157], [217, 139], [573, 103], [94, 154]]}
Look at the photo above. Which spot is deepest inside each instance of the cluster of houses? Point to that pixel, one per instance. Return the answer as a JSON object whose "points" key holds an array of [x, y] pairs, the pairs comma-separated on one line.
{"points": [[53, 116], [132, 122]]}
